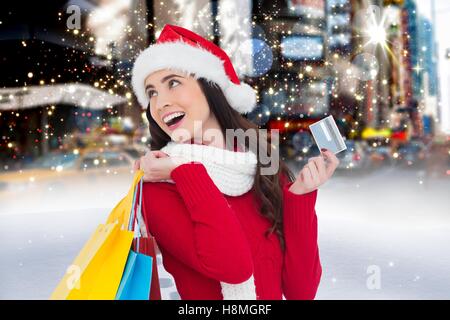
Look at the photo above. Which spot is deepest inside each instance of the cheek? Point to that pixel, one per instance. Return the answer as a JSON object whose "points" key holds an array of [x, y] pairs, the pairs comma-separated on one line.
{"points": [[195, 105], [156, 118], [199, 113], [154, 115]]}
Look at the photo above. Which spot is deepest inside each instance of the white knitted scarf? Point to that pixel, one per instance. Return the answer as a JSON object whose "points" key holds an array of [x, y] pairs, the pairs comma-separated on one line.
{"points": [[233, 173]]}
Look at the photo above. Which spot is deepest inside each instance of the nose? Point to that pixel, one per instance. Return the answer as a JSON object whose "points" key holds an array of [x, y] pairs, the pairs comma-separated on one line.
{"points": [[161, 106], [162, 101]]}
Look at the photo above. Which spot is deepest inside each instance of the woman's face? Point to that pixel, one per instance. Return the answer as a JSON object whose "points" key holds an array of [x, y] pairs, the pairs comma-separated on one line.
{"points": [[177, 103]]}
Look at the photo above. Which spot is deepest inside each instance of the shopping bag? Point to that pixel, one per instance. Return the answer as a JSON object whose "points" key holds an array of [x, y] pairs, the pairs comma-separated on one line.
{"points": [[122, 211], [97, 270], [147, 245], [136, 279]]}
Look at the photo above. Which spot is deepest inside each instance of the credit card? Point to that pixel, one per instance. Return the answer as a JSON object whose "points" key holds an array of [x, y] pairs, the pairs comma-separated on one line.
{"points": [[327, 135]]}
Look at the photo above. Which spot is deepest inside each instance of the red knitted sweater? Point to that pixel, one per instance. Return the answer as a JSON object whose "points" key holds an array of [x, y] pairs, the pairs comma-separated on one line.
{"points": [[206, 237]]}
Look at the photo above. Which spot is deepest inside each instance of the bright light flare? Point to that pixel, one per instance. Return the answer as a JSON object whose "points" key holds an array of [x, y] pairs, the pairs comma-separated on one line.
{"points": [[377, 35]]}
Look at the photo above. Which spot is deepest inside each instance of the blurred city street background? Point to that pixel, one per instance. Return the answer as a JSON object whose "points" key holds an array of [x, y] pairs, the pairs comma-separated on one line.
{"points": [[70, 128]]}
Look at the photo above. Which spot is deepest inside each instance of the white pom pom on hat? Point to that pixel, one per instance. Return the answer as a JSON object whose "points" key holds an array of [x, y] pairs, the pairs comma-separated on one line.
{"points": [[180, 49]]}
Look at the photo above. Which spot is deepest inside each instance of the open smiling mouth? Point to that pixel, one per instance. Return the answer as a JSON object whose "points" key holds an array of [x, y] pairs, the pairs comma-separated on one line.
{"points": [[174, 119]]}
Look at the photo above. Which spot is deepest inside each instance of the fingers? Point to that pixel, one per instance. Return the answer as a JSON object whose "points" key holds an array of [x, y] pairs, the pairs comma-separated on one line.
{"points": [[332, 159], [319, 163], [149, 155], [137, 165], [307, 177], [154, 154], [152, 166], [141, 163], [159, 154], [314, 171]]}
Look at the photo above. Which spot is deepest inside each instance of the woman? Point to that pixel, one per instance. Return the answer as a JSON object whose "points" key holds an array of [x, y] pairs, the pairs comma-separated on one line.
{"points": [[225, 229]]}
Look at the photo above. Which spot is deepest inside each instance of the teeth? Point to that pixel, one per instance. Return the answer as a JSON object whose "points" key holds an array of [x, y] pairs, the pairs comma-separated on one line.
{"points": [[172, 115]]}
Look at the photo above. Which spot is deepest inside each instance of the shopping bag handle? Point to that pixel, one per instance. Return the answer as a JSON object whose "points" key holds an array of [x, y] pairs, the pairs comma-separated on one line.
{"points": [[131, 219], [119, 213], [136, 215], [155, 291]]}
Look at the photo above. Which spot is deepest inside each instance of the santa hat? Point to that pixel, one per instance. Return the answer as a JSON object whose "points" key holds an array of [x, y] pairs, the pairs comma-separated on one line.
{"points": [[185, 51]]}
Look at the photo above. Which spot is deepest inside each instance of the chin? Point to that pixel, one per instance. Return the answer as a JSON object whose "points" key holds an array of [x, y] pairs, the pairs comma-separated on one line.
{"points": [[177, 138]]}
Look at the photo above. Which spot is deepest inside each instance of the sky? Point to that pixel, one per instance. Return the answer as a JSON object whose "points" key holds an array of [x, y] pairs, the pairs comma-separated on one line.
{"points": [[442, 29]]}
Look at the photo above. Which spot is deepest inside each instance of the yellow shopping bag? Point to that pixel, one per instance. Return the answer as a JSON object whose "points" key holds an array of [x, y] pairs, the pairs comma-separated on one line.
{"points": [[97, 270]]}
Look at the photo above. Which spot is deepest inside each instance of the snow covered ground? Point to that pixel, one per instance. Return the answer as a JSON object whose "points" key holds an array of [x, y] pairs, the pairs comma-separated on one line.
{"points": [[382, 235], [394, 221]]}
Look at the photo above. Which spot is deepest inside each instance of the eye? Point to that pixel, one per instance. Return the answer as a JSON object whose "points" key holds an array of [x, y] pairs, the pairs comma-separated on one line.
{"points": [[174, 81], [151, 93]]}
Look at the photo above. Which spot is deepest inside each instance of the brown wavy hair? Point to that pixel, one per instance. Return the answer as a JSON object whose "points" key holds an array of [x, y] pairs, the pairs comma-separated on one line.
{"points": [[267, 188]]}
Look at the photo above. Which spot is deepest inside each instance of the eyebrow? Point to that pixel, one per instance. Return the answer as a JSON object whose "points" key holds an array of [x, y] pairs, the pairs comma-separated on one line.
{"points": [[163, 80]]}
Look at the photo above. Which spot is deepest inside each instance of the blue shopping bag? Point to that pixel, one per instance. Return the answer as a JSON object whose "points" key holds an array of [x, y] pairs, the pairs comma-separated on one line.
{"points": [[135, 283], [136, 278]]}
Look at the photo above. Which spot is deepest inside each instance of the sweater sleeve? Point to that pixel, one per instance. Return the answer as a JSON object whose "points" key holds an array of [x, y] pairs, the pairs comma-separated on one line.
{"points": [[302, 269], [200, 228]]}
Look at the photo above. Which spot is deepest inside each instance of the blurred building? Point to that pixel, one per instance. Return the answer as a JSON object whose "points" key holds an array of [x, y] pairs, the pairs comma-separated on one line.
{"points": [[227, 23], [344, 106], [373, 66], [339, 26], [63, 69], [294, 86], [429, 101], [413, 66], [411, 40]]}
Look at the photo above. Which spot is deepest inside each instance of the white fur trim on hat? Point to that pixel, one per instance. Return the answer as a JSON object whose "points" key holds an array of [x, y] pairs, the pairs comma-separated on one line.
{"points": [[186, 58]]}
